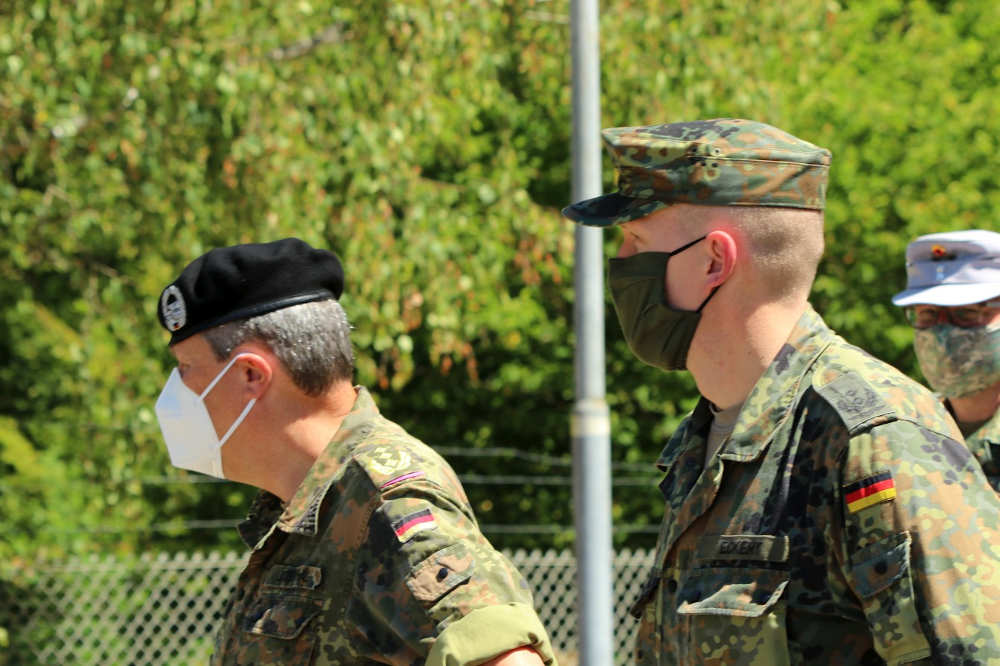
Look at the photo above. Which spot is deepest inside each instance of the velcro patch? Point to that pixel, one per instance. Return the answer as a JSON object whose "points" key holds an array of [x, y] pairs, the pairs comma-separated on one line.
{"points": [[868, 492], [855, 401], [419, 521], [756, 547]]}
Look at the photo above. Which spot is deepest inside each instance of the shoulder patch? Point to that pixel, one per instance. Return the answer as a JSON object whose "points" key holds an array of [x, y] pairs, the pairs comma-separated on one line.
{"points": [[870, 491], [395, 463], [855, 401], [390, 463], [413, 523], [388, 460]]}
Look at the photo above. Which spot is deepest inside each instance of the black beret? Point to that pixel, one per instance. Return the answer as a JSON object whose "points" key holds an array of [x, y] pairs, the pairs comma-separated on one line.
{"points": [[242, 281]]}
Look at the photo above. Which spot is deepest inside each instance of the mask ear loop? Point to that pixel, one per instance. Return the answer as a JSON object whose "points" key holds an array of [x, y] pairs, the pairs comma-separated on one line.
{"points": [[246, 410], [715, 289], [681, 249], [221, 374], [686, 246], [239, 420], [708, 298]]}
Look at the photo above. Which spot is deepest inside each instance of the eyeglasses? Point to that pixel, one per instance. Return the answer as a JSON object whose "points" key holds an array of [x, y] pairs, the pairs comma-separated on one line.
{"points": [[964, 316]]}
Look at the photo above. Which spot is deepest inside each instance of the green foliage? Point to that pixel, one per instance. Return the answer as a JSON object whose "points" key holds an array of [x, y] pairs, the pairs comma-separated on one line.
{"points": [[427, 143]]}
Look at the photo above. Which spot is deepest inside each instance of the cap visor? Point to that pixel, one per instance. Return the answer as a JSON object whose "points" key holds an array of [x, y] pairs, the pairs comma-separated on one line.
{"points": [[610, 209], [947, 295]]}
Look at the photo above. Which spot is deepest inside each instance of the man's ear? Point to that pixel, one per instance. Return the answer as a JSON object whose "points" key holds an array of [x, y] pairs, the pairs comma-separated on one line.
{"points": [[722, 252], [256, 372]]}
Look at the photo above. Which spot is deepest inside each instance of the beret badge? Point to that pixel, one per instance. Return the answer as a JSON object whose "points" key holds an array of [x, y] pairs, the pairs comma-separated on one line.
{"points": [[173, 308]]}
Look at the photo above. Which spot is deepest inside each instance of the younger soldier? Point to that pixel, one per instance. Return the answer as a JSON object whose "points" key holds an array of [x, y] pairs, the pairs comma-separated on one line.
{"points": [[820, 507], [365, 548], [952, 300]]}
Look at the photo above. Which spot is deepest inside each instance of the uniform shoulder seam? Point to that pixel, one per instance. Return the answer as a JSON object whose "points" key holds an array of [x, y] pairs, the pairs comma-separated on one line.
{"points": [[856, 402], [390, 456]]}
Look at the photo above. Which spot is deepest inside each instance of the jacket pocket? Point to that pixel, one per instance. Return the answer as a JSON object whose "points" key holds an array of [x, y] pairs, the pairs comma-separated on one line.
{"points": [[440, 573], [280, 629], [882, 579], [734, 615]]}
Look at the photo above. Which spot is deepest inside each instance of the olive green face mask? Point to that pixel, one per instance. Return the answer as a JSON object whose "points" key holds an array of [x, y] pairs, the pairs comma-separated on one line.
{"points": [[655, 332]]}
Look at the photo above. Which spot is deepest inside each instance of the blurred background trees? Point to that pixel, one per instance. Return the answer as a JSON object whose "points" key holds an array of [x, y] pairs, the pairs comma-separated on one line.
{"points": [[427, 143]]}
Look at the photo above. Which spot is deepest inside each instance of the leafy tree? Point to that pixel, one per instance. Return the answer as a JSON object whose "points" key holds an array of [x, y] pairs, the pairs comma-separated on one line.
{"points": [[427, 143]]}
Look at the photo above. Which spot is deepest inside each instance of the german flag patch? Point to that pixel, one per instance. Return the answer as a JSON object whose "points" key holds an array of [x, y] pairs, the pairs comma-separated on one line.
{"points": [[870, 491], [412, 524]]}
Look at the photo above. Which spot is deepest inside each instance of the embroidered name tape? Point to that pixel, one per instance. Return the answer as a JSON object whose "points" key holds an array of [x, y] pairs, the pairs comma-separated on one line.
{"points": [[407, 526], [755, 547], [870, 491]]}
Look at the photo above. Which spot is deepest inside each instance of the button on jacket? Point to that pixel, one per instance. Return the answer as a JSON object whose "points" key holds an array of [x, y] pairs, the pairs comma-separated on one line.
{"points": [[843, 522], [376, 559]]}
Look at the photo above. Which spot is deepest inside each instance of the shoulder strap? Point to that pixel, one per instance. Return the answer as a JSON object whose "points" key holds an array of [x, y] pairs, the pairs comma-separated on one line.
{"points": [[856, 402]]}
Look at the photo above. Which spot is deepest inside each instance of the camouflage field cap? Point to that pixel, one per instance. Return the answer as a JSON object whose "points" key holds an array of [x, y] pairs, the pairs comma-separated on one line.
{"points": [[720, 162], [952, 268]]}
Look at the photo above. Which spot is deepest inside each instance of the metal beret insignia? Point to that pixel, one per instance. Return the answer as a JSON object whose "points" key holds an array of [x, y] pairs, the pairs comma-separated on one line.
{"points": [[173, 308]]}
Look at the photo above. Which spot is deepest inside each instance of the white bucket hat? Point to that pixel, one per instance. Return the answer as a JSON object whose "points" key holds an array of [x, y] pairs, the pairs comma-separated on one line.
{"points": [[952, 268]]}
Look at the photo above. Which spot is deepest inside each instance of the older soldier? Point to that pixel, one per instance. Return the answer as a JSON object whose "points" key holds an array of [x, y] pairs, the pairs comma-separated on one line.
{"points": [[365, 548], [820, 506], [952, 300]]}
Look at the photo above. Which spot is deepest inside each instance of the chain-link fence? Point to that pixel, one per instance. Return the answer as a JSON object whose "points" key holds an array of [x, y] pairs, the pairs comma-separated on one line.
{"points": [[163, 610]]}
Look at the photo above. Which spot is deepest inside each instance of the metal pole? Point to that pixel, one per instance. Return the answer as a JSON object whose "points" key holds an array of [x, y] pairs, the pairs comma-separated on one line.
{"points": [[590, 423]]}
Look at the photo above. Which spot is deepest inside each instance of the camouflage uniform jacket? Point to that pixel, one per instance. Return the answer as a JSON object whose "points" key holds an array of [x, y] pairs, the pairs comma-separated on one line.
{"points": [[376, 559], [985, 445], [843, 522]]}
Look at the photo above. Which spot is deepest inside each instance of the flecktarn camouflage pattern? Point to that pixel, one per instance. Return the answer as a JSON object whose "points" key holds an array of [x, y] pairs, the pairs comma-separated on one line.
{"points": [[959, 361], [721, 162], [985, 446], [853, 527], [377, 558]]}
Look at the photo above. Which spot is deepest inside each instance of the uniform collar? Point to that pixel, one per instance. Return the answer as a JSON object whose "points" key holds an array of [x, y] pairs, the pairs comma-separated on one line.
{"points": [[989, 431], [771, 398], [769, 401], [693, 433], [301, 513]]}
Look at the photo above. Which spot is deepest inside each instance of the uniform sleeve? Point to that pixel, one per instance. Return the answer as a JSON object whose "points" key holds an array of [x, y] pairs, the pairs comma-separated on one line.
{"points": [[429, 584], [920, 546]]}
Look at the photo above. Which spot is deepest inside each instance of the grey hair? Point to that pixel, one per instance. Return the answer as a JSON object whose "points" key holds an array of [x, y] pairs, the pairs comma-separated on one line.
{"points": [[312, 340]]}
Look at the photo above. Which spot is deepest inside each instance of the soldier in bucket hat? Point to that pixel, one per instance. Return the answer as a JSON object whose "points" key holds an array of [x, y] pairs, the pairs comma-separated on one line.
{"points": [[952, 300], [806, 494], [364, 548]]}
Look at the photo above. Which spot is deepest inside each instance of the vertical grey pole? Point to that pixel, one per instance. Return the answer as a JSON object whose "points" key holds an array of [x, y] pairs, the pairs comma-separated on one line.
{"points": [[590, 423]]}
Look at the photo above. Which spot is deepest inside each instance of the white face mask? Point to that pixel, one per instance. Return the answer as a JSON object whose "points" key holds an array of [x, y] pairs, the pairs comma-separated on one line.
{"points": [[187, 427]]}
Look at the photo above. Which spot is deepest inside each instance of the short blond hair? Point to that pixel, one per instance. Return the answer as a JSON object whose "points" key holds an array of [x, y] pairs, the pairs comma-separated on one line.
{"points": [[784, 245]]}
